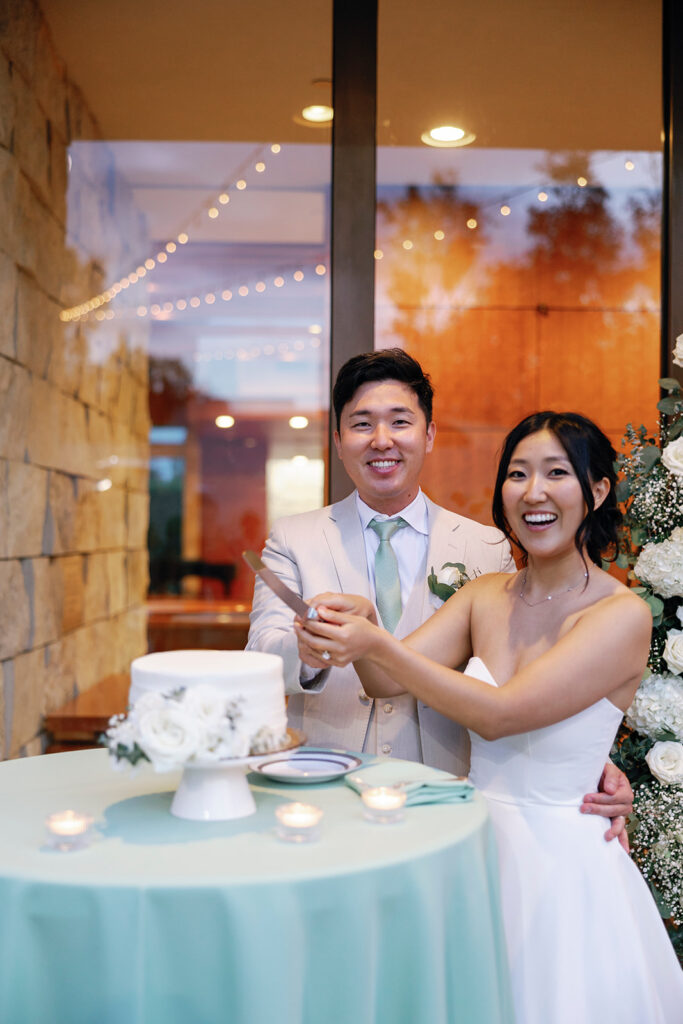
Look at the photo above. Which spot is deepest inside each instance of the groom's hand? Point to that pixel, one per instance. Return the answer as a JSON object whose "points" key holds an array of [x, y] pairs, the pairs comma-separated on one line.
{"points": [[614, 800]]}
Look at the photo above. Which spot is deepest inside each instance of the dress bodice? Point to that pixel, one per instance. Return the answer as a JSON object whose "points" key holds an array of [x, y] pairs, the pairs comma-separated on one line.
{"points": [[556, 765]]}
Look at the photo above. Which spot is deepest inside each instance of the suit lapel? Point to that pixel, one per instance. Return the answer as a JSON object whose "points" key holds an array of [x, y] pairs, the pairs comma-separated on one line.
{"points": [[344, 538], [447, 543]]}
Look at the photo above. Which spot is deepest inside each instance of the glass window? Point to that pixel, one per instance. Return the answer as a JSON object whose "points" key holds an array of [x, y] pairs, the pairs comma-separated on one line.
{"points": [[519, 261]]}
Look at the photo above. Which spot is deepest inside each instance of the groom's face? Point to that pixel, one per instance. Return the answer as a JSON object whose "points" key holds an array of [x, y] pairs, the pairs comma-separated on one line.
{"points": [[382, 440]]}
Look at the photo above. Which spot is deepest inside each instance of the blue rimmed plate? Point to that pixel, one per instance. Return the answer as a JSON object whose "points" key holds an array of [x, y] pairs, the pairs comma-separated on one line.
{"points": [[310, 764]]}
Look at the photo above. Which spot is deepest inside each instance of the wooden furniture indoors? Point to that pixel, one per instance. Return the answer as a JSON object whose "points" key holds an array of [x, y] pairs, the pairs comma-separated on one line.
{"points": [[173, 624]]}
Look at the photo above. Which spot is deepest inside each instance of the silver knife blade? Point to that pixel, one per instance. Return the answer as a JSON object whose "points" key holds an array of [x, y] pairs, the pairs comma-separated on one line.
{"points": [[295, 602]]}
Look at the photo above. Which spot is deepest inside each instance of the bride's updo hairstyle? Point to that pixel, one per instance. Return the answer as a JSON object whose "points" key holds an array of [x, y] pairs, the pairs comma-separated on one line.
{"points": [[592, 457]]}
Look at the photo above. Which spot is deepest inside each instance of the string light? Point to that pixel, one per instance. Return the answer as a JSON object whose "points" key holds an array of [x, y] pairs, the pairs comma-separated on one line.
{"points": [[82, 310]]}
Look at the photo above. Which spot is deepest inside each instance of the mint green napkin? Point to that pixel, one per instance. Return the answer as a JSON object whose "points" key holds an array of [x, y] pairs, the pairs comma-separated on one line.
{"points": [[423, 785]]}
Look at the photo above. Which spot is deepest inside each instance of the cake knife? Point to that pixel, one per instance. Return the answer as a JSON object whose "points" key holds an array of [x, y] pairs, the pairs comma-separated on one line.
{"points": [[303, 610]]}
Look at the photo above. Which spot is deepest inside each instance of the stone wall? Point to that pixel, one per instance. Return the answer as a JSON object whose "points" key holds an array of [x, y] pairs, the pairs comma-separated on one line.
{"points": [[73, 397]]}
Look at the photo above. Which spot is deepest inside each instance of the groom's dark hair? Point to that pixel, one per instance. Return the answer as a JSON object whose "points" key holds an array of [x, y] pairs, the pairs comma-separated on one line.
{"points": [[592, 457], [385, 364]]}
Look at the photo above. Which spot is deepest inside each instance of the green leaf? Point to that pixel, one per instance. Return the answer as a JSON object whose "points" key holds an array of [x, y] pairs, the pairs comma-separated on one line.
{"points": [[442, 590], [454, 565], [650, 456], [638, 536], [623, 490], [656, 605], [669, 405], [622, 560], [669, 384], [675, 430], [639, 590]]}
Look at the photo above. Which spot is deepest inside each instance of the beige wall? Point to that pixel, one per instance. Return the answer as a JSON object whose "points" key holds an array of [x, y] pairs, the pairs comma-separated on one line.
{"points": [[73, 398]]}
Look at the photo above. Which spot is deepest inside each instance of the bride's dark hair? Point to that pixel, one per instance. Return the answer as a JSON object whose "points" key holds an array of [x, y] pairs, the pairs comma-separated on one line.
{"points": [[592, 457]]}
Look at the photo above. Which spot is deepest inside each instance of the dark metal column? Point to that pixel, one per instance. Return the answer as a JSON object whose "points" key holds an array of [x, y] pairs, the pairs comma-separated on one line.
{"points": [[672, 206], [354, 77]]}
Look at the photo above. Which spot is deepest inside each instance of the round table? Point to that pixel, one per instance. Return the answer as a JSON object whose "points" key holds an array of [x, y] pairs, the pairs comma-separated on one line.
{"points": [[180, 922]]}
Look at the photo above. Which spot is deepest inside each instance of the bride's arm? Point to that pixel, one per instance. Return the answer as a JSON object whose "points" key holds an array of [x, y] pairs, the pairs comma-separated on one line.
{"points": [[444, 638], [603, 654]]}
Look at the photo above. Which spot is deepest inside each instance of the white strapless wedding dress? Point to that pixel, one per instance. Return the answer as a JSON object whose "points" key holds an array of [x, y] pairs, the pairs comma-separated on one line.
{"points": [[586, 944]]}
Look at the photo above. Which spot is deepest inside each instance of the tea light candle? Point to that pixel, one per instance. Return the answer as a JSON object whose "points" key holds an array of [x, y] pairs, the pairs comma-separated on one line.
{"points": [[298, 823], [383, 804], [68, 830]]}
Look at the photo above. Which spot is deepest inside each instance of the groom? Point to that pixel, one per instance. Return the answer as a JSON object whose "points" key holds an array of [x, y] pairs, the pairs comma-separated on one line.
{"points": [[383, 407]]}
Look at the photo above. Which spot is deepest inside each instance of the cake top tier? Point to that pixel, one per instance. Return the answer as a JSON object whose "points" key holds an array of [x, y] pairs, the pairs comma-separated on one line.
{"points": [[182, 665]]}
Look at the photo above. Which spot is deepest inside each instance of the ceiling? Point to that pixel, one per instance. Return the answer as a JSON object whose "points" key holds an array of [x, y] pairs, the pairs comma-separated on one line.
{"points": [[546, 74]]}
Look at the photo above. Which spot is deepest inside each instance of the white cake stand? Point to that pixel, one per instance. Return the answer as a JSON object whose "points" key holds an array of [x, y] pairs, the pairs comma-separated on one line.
{"points": [[218, 790]]}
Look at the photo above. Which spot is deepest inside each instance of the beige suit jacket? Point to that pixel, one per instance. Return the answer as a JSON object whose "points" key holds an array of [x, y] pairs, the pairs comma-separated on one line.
{"points": [[324, 550]]}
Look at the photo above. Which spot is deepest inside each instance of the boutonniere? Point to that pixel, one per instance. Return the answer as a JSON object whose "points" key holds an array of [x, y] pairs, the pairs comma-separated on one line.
{"points": [[450, 577]]}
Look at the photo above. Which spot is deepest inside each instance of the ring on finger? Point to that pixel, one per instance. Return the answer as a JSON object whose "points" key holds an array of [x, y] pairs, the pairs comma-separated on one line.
{"points": [[326, 655]]}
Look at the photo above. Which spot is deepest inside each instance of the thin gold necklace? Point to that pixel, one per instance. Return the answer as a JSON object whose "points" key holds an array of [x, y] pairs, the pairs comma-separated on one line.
{"points": [[548, 597]]}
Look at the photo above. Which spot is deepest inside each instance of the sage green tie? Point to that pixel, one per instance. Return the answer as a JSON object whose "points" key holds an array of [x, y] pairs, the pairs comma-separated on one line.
{"points": [[387, 582]]}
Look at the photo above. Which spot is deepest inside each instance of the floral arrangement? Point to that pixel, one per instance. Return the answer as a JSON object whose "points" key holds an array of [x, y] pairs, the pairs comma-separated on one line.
{"points": [[196, 725], [649, 748], [450, 577]]}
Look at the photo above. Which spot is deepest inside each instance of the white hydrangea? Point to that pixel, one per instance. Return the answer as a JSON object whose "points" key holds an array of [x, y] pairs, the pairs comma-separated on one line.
{"points": [[661, 565], [658, 706]]}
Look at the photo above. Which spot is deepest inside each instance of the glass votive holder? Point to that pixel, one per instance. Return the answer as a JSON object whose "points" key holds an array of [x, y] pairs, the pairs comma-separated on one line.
{"points": [[384, 804], [298, 823], [68, 831]]}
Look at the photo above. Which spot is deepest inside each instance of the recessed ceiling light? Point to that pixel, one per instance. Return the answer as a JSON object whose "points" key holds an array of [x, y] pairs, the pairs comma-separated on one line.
{"points": [[225, 422], [318, 113], [447, 135]]}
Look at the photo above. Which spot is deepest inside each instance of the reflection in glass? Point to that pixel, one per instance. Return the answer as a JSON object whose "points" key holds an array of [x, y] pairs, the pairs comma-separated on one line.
{"points": [[522, 279], [224, 279]]}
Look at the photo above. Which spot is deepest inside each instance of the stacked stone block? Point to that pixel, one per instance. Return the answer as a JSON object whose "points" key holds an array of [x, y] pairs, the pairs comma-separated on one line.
{"points": [[74, 421]]}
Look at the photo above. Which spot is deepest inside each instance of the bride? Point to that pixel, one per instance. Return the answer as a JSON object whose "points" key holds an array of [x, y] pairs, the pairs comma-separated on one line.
{"points": [[556, 653]]}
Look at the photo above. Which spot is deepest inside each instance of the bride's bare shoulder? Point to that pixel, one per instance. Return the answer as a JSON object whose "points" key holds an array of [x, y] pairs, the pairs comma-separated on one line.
{"points": [[491, 583], [617, 599]]}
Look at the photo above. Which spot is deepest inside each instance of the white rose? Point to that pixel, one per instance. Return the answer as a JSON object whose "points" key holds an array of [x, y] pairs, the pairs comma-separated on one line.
{"points": [[678, 351], [168, 736], [661, 565], [226, 742], [672, 456], [673, 651], [679, 613], [148, 702], [206, 704], [665, 761], [448, 575]]}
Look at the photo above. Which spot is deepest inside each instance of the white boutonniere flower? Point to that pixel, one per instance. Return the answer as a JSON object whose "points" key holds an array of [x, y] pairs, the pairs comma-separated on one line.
{"points": [[450, 577]]}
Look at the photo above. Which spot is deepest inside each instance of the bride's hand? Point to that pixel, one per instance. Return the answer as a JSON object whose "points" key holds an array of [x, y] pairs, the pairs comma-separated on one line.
{"points": [[336, 638], [352, 604]]}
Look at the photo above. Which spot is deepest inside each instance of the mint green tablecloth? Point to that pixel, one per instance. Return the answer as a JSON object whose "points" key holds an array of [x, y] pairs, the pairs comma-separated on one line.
{"points": [[166, 921]]}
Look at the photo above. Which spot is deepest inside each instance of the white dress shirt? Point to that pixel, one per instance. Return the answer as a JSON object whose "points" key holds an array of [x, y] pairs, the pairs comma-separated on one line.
{"points": [[410, 544]]}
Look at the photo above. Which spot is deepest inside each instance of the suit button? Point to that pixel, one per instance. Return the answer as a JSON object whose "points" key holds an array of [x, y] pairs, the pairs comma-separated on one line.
{"points": [[386, 748], [362, 696], [388, 708]]}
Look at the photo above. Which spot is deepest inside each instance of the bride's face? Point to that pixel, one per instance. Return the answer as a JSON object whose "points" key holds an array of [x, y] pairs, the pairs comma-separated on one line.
{"points": [[542, 496]]}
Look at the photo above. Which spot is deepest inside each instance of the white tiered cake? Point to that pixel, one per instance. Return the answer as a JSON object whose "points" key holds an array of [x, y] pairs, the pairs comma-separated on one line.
{"points": [[253, 682]]}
